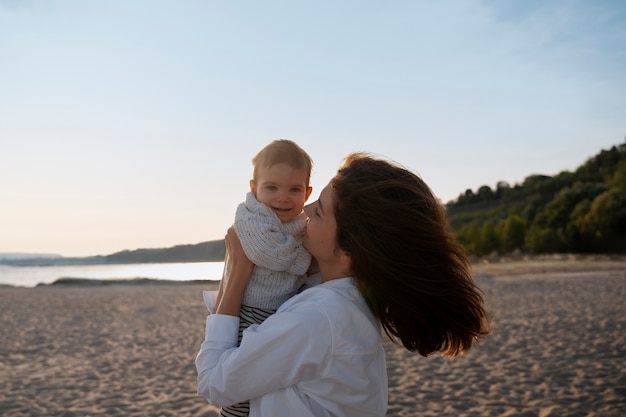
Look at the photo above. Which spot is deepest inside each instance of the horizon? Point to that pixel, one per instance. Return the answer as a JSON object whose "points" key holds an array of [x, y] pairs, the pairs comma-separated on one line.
{"points": [[20, 255], [133, 124]]}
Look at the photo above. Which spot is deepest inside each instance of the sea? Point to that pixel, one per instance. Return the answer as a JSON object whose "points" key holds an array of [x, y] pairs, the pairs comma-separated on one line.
{"points": [[31, 276]]}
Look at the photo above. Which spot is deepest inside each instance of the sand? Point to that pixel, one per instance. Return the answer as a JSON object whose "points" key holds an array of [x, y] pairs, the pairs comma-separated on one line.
{"points": [[558, 349]]}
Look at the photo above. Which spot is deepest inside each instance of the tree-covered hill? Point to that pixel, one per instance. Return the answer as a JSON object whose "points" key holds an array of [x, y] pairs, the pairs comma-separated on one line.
{"points": [[212, 251], [582, 211]]}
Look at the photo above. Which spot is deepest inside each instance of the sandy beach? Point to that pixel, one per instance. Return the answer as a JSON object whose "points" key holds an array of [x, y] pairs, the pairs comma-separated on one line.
{"points": [[558, 349]]}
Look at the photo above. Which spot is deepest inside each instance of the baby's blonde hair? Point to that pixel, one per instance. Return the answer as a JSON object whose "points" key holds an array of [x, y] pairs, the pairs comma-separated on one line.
{"points": [[282, 151]]}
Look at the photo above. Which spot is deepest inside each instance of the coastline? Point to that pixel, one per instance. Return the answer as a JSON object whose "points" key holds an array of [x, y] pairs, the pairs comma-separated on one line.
{"points": [[520, 264], [29, 276]]}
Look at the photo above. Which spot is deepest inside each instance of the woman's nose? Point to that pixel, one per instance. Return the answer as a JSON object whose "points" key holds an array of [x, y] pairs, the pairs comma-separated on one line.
{"points": [[308, 209]]}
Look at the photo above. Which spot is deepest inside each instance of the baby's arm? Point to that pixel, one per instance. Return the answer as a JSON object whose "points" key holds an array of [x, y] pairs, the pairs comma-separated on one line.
{"points": [[274, 250]]}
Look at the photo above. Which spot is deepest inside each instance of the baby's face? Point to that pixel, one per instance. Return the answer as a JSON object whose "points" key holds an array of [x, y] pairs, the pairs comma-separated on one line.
{"points": [[283, 189]]}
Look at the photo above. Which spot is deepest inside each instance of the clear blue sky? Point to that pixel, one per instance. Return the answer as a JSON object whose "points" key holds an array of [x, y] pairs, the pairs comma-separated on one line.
{"points": [[131, 124]]}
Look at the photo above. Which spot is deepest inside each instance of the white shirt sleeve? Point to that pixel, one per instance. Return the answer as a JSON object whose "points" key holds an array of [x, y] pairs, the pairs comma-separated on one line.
{"points": [[210, 300], [287, 348]]}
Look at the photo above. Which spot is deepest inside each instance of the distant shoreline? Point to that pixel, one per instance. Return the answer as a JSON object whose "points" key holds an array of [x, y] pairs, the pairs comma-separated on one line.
{"points": [[542, 264], [96, 282], [490, 266], [98, 275], [67, 282]]}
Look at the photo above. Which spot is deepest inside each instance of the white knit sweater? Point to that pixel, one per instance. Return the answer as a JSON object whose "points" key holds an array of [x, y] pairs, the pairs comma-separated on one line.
{"points": [[280, 260]]}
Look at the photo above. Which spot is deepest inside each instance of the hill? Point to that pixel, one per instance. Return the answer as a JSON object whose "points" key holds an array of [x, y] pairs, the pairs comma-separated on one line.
{"points": [[573, 212], [212, 251]]}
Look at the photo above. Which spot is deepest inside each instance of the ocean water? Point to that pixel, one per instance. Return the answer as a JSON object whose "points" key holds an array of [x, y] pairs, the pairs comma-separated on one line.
{"points": [[31, 276]]}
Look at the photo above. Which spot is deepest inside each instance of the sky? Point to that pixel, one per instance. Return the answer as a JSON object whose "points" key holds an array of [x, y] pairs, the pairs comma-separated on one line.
{"points": [[132, 124]]}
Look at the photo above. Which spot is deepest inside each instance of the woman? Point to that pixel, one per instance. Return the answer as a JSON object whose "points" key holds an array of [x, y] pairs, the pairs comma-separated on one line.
{"points": [[386, 258]]}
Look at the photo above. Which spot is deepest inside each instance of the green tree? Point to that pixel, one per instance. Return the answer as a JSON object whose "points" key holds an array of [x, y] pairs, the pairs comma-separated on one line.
{"points": [[619, 176], [578, 242], [580, 211], [485, 193], [544, 240], [487, 239], [513, 233], [557, 212], [468, 236], [605, 223]]}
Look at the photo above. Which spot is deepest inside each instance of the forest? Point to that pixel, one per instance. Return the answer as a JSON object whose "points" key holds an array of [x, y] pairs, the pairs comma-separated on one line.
{"points": [[573, 212]]}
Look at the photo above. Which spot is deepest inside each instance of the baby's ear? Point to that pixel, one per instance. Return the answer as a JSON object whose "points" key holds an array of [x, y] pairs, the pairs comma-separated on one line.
{"points": [[308, 193], [253, 186]]}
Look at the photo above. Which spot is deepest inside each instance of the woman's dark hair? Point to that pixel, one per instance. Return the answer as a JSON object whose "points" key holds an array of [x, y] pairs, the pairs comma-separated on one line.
{"points": [[409, 267]]}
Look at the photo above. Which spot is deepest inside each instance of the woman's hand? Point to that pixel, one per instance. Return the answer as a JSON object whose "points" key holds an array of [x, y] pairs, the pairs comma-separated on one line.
{"points": [[238, 276], [236, 254]]}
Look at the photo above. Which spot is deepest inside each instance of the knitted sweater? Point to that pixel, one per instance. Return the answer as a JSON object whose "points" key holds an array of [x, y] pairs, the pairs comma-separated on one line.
{"points": [[280, 260]]}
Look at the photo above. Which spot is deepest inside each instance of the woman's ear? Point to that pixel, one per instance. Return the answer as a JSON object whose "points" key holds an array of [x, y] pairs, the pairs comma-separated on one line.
{"points": [[346, 261]]}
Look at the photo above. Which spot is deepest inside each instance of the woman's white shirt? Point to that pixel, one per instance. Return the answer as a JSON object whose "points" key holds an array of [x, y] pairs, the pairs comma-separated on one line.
{"points": [[320, 354]]}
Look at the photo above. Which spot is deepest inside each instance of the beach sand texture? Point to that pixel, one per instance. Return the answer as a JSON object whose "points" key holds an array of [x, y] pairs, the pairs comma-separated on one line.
{"points": [[558, 349]]}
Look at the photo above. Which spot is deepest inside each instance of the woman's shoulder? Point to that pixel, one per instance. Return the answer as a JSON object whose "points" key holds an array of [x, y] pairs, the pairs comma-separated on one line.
{"points": [[340, 305], [326, 293]]}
